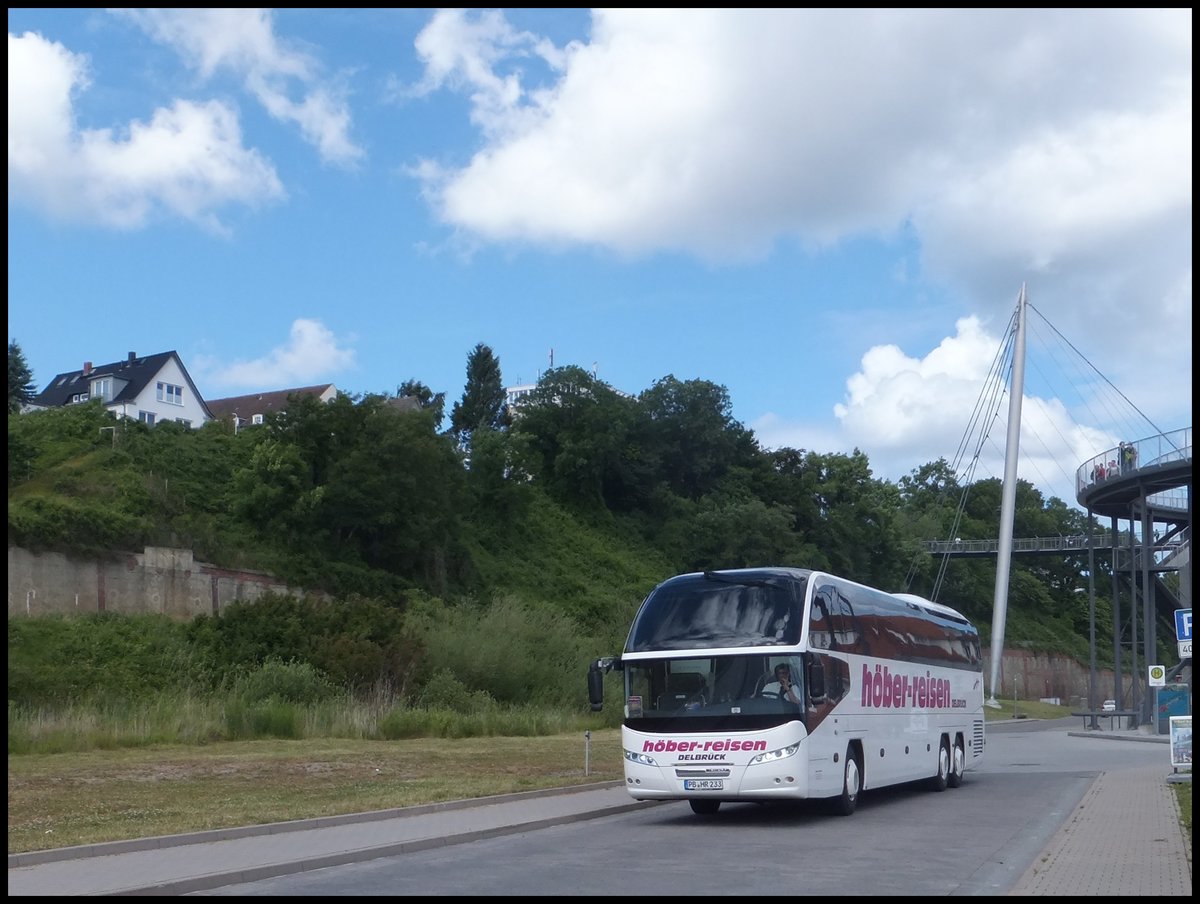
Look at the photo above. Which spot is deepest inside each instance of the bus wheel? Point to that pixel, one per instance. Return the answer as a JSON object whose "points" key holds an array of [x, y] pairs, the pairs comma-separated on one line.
{"points": [[847, 801], [958, 765], [704, 806], [941, 778]]}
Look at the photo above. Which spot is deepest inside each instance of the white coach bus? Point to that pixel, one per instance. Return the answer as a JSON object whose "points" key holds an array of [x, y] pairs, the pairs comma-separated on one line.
{"points": [[879, 689]]}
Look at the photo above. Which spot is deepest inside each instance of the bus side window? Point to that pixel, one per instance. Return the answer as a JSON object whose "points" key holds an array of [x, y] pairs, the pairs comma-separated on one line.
{"points": [[816, 679], [849, 630], [820, 630]]}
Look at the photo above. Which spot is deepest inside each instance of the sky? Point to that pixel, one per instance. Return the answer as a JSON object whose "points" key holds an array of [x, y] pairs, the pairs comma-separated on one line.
{"points": [[831, 214]]}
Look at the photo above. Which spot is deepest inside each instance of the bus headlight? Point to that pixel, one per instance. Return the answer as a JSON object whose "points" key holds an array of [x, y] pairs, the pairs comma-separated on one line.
{"points": [[772, 755], [640, 758]]}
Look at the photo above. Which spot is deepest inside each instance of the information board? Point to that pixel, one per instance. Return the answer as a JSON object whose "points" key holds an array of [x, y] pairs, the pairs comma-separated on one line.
{"points": [[1181, 741]]}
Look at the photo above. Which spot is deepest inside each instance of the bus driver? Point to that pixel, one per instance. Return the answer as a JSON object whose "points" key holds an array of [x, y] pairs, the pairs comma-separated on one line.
{"points": [[782, 687]]}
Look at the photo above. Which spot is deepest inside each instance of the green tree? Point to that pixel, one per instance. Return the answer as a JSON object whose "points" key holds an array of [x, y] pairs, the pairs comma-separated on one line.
{"points": [[738, 534], [577, 432], [844, 512], [497, 479], [693, 435], [930, 487], [322, 431], [273, 493], [483, 405], [356, 482], [794, 484], [928, 499], [20, 378], [395, 496]]}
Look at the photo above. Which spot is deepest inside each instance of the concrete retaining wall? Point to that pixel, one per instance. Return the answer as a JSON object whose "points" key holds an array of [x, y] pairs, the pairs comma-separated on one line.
{"points": [[159, 580], [1032, 676]]}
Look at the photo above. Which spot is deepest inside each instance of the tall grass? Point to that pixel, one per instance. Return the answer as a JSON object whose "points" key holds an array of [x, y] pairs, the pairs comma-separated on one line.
{"points": [[255, 709], [172, 718]]}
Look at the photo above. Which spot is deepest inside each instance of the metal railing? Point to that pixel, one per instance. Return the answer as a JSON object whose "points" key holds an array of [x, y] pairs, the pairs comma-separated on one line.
{"points": [[1100, 540], [1140, 454]]}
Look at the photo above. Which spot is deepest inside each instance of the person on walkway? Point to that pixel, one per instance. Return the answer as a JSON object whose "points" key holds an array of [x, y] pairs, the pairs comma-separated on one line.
{"points": [[1128, 458]]}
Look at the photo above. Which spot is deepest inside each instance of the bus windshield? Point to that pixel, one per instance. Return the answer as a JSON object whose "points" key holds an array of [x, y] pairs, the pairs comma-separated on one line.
{"points": [[719, 609], [730, 691]]}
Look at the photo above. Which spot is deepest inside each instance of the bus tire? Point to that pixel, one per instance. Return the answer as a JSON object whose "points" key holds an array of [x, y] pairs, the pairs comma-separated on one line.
{"points": [[958, 764], [704, 806], [941, 778], [846, 802]]}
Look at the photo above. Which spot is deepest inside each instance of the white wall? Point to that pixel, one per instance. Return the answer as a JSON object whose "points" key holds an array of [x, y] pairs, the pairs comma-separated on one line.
{"points": [[190, 410]]}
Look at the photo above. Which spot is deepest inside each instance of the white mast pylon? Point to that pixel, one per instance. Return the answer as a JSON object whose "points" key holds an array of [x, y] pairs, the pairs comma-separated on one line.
{"points": [[1008, 500]]}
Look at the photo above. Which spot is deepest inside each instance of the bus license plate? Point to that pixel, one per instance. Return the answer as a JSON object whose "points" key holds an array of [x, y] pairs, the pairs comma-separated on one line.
{"points": [[703, 784]]}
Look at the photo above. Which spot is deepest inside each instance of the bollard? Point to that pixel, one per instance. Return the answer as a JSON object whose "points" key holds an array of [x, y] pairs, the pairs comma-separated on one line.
{"points": [[587, 753]]}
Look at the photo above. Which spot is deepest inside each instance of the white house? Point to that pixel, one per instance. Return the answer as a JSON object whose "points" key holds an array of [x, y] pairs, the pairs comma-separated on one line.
{"points": [[151, 389]]}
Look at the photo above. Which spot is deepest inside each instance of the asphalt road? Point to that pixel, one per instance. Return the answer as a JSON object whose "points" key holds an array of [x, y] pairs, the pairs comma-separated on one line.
{"points": [[974, 840]]}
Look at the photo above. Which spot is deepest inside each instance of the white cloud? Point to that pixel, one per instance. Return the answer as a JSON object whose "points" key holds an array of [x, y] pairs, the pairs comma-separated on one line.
{"points": [[720, 131], [1019, 146], [243, 41], [462, 51], [897, 405], [953, 400], [188, 160], [894, 399], [311, 354]]}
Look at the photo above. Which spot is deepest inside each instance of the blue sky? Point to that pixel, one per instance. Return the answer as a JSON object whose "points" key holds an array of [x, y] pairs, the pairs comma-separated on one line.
{"points": [[830, 213]]}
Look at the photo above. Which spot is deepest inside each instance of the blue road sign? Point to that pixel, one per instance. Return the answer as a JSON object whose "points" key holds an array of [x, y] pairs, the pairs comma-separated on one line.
{"points": [[1183, 624]]}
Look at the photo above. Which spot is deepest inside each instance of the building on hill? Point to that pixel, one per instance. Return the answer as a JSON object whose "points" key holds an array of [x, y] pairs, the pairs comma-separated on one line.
{"points": [[403, 403], [248, 410], [514, 394], [151, 389]]}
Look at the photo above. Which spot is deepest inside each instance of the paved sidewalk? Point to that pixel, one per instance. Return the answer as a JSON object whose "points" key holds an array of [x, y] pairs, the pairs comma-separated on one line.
{"points": [[1124, 838], [181, 864]]}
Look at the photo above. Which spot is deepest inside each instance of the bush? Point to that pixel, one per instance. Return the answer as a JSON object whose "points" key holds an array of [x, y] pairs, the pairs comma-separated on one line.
{"points": [[357, 643], [445, 691], [519, 653], [400, 724], [287, 682], [98, 656], [272, 719], [43, 522]]}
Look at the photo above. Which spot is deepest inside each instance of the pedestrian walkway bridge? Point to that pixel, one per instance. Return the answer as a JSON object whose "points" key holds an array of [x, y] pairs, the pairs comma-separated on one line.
{"points": [[1156, 478], [1147, 482], [980, 549], [1157, 469]]}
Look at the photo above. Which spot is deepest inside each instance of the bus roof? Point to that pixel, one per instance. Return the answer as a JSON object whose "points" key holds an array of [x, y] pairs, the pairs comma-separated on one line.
{"points": [[930, 605]]}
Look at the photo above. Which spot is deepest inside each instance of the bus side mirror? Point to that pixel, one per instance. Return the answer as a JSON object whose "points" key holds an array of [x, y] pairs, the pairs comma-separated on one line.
{"points": [[596, 687], [596, 679], [816, 680]]}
